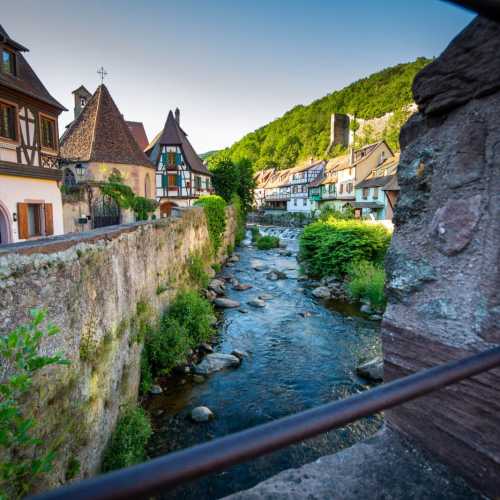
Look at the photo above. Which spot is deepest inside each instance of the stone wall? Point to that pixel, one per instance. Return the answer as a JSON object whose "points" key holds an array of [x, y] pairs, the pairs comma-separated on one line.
{"points": [[97, 287], [443, 264]]}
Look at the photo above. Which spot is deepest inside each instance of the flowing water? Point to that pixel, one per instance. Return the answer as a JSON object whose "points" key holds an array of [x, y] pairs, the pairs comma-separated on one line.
{"points": [[293, 363]]}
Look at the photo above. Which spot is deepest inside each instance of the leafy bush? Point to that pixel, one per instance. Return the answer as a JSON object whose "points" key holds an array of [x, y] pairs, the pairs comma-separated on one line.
{"points": [[197, 272], [142, 207], [215, 211], [268, 242], [254, 230], [128, 442], [330, 213], [330, 247], [19, 350], [366, 281], [186, 324]]}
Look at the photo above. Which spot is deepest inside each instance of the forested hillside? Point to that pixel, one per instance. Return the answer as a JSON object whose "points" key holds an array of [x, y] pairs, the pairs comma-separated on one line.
{"points": [[304, 131]]}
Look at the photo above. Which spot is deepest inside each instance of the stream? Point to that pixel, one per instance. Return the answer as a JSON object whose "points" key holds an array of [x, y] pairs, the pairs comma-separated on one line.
{"points": [[294, 363]]}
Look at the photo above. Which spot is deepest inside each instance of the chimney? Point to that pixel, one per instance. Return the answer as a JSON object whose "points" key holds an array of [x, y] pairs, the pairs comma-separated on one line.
{"points": [[177, 116]]}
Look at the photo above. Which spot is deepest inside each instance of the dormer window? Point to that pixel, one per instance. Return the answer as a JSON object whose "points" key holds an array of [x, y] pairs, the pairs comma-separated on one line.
{"points": [[8, 62]]}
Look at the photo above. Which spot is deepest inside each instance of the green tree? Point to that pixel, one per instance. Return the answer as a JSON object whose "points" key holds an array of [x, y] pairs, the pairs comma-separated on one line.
{"points": [[225, 175], [246, 185]]}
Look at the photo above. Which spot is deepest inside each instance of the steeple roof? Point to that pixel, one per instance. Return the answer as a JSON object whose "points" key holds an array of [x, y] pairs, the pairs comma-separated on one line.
{"points": [[25, 80], [173, 135], [101, 134]]}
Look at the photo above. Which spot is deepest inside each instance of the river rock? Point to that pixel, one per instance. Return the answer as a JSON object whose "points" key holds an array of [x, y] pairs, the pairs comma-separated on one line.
{"points": [[234, 258], [215, 362], [198, 379], [285, 253], [217, 286], [155, 390], [243, 311], [321, 292], [306, 314], [275, 275], [256, 303], [210, 295], [258, 265], [241, 287], [373, 370], [201, 414], [366, 309], [226, 303], [265, 296], [239, 354], [206, 348], [376, 317]]}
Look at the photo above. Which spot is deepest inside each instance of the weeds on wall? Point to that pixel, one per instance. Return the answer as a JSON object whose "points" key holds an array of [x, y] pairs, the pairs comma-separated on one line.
{"points": [[240, 219], [215, 211], [196, 270], [20, 467], [128, 443]]}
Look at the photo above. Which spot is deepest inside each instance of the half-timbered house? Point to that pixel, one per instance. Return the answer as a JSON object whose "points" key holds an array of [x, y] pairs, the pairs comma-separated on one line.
{"points": [[30, 199], [181, 176]]}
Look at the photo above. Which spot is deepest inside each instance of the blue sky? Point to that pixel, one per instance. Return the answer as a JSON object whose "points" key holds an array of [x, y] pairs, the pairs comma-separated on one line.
{"points": [[230, 66]]}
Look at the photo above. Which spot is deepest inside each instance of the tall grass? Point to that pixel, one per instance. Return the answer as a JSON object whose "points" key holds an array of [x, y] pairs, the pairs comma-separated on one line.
{"points": [[366, 281]]}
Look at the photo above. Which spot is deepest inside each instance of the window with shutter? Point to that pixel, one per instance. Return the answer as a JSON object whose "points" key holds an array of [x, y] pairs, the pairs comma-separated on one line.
{"points": [[22, 220], [49, 219]]}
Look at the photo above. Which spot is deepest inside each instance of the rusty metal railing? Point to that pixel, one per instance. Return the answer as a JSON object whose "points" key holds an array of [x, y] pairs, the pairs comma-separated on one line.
{"points": [[164, 473]]}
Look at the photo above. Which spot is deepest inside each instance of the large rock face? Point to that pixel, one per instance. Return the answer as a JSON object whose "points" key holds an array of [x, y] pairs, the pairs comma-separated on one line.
{"points": [[443, 264]]}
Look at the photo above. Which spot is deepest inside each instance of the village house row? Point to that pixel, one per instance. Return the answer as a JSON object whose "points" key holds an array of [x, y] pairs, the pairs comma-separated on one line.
{"points": [[50, 186], [363, 180]]}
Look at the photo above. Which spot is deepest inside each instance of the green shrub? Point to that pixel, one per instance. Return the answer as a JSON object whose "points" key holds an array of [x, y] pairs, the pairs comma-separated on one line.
{"points": [[240, 219], [366, 281], [215, 211], [254, 230], [197, 272], [216, 267], [20, 468], [128, 442], [331, 213], [268, 242], [186, 324], [330, 247]]}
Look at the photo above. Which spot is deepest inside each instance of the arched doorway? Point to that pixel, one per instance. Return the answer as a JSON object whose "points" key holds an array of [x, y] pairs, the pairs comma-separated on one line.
{"points": [[166, 208], [5, 225]]}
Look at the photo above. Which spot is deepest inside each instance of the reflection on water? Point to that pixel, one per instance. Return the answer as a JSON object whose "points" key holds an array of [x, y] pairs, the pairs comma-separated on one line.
{"points": [[294, 363]]}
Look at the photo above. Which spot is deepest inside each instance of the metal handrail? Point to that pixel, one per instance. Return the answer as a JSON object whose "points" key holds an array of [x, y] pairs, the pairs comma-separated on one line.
{"points": [[168, 471]]}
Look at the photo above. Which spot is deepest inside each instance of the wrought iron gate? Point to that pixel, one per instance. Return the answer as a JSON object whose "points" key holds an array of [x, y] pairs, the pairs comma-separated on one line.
{"points": [[105, 212]]}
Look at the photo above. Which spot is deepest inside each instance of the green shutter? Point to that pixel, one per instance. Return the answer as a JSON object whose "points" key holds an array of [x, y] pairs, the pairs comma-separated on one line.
{"points": [[178, 180], [178, 158], [164, 158], [164, 181]]}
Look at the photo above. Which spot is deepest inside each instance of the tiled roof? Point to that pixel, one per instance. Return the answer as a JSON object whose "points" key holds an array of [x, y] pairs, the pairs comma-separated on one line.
{"points": [[25, 80], [100, 134], [392, 185], [173, 135], [137, 129]]}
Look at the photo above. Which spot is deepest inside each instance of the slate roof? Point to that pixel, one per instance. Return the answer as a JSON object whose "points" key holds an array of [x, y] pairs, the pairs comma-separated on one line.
{"points": [[100, 134], [392, 185], [25, 80], [173, 135], [375, 182], [137, 129]]}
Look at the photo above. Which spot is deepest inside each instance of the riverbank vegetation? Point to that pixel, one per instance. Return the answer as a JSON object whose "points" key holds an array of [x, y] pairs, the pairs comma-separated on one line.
{"points": [[351, 250], [20, 468], [128, 442], [265, 242]]}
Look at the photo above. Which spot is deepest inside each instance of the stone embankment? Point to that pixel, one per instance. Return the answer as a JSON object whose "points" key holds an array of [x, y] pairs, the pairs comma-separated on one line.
{"points": [[99, 288]]}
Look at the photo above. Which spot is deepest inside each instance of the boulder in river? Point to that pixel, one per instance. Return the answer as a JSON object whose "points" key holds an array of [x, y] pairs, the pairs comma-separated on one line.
{"points": [[285, 253], [234, 258], [215, 362], [210, 295], [275, 275], [198, 379], [366, 308], [372, 370], [226, 303], [243, 311], [241, 287], [206, 348], [217, 286], [201, 414], [265, 296], [239, 354], [321, 292], [256, 303], [155, 390], [258, 265]]}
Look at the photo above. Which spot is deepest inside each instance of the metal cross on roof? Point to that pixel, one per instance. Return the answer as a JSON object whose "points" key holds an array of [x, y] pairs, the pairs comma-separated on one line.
{"points": [[101, 71]]}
